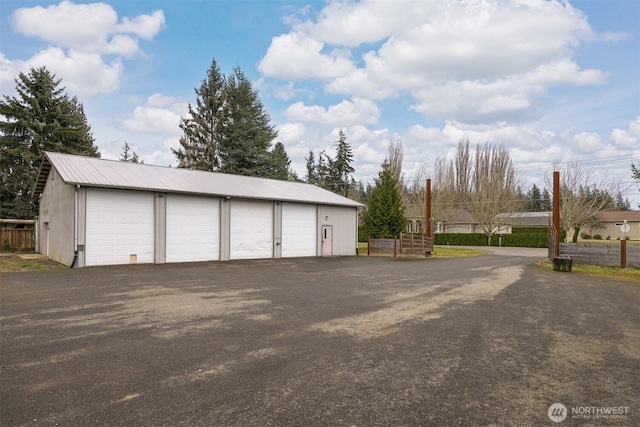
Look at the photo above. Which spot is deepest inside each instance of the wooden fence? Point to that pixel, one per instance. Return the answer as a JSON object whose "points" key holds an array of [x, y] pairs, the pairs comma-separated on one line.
{"points": [[603, 253], [405, 244], [17, 239]]}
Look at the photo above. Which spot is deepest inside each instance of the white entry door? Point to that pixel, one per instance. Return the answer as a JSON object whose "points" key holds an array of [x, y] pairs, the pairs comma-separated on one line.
{"points": [[327, 240]]}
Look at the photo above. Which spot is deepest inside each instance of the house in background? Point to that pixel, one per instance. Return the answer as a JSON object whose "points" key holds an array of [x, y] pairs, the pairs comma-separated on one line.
{"points": [[105, 212], [462, 221], [456, 221], [523, 219], [609, 225]]}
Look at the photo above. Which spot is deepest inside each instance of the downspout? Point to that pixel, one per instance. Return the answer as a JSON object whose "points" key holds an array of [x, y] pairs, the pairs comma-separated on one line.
{"points": [[75, 228]]}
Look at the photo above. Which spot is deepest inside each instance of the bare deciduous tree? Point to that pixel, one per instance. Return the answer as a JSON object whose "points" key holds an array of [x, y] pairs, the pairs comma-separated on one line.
{"points": [[485, 185], [493, 188], [581, 199]]}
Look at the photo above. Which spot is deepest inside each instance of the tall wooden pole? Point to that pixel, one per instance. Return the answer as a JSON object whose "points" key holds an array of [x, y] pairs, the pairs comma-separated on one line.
{"points": [[427, 224], [556, 212]]}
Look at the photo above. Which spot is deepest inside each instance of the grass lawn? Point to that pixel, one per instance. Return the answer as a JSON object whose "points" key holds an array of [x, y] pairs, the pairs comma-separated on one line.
{"points": [[27, 262], [610, 242], [631, 273], [438, 252]]}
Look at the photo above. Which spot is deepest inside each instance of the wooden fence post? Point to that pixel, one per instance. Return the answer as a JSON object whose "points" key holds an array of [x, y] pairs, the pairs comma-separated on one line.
{"points": [[368, 245], [623, 253], [395, 245]]}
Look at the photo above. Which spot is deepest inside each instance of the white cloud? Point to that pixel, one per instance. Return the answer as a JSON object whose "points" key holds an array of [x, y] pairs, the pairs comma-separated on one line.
{"points": [[466, 61], [296, 56], [160, 100], [144, 26], [353, 23], [81, 73], [588, 142], [8, 72], [80, 36], [344, 114], [628, 138], [290, 133], [90, 28], [160, 116]]}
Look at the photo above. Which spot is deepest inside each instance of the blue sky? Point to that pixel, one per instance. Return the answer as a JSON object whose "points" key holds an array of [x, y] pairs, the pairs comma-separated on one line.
{"points": [[552, 81]]}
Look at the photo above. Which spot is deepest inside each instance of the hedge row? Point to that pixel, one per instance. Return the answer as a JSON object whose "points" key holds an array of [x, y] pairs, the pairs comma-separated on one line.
{"points": [[519, 230], [519, 240], [522, 237]]}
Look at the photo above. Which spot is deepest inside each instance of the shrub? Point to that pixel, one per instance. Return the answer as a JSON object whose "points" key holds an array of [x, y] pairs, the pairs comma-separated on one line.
{"points": [[538, 239], [524, 240], [531, 229], [460, 239], [362, 234], [597, 237], [585, 236]]}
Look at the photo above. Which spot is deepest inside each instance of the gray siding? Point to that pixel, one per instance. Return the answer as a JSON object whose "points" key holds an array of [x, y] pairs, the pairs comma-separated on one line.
{"points": [[344, 221], [57, 205]]}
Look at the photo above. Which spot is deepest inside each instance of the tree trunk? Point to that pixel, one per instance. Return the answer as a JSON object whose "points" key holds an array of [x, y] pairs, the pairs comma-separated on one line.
{"points": [[576, 232]]}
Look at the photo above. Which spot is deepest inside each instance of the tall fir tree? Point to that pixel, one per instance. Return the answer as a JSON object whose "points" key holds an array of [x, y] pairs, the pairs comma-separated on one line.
{"points": [[246, 134], [41, 118], [202, 127], [125, 156], [534, 202], [340, 168], [312, 173], [384, 216], [280, 163], [546, 203]]}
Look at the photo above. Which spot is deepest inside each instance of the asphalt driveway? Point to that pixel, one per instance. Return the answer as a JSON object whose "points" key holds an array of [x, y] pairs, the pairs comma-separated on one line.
{"points": [[357, 341]]}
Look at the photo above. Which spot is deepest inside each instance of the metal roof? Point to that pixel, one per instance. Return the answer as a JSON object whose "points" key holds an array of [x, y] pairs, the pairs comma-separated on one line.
{"points": [[619, 216], [526, 219], [95, 172]]}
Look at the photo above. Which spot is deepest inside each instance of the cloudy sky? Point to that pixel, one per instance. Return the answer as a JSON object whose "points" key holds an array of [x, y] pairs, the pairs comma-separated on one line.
{"points": [[550, 80]]}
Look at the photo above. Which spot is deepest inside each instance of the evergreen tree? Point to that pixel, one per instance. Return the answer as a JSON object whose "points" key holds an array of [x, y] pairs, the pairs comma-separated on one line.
{"points": [[340, 168], [622, 203], [312, 173], [41, 118], [546, 204], [323, 171], [280, 163], [126, 157], [202, 127], [534, 202], [246, 134], [384, 216]]}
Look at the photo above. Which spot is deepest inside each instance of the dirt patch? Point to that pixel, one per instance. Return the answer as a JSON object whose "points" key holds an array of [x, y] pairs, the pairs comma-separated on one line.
{"points": [[421, 304], [167, 311]]}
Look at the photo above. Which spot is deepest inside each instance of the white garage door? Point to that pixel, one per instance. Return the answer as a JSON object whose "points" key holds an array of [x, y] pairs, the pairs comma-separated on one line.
{"points": [[251, 229], [120, 227], [193, 228], [299, 230]]}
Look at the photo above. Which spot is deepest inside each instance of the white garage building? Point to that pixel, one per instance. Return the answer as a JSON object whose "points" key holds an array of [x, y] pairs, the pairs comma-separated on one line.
{"points": [[105, 212]]}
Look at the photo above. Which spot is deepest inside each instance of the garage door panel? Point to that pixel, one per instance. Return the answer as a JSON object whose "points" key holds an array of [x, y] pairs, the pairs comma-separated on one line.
{"points": [[193, 228], [299, 230], [120, 227], [251, 229]]}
